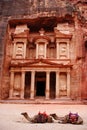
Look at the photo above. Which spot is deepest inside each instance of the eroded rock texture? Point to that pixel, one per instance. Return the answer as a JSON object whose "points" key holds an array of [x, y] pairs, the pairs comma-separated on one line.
{"points": [[68, 16]]}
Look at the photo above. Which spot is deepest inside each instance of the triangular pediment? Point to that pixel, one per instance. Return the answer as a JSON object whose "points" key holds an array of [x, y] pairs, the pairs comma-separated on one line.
{"points": [[41, 62]]}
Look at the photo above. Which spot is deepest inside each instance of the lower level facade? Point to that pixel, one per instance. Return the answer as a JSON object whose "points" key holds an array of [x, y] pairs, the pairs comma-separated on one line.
{"points": [[47, 83]]}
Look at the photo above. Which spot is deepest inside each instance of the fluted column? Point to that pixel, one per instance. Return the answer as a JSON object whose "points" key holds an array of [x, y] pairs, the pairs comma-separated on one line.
{"points": [[11, 84], [68, 83], [47, 85], [57, 84], [22, 85], [32, 84]]}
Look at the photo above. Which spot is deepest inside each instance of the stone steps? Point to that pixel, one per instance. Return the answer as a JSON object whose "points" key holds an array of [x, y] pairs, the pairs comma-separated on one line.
{"points": [[45, 101]]}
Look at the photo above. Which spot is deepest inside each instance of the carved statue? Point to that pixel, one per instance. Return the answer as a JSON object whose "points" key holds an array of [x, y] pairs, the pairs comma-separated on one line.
{"points": [[63, 79]]}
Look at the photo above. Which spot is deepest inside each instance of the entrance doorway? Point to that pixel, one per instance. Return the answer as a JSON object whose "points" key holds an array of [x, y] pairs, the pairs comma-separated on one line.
{"points": [[40, 88], [40, 84]]}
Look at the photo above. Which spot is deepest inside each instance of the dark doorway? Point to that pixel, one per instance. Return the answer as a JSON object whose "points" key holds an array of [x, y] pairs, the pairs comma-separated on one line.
{"points": [[40, 88], [27, 84], [52, 84]]}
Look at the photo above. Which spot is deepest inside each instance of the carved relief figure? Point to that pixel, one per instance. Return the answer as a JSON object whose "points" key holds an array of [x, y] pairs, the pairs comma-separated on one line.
{"points": [[41, 51], [63, 84], [63, 50], [17, 84], [19, 50]]}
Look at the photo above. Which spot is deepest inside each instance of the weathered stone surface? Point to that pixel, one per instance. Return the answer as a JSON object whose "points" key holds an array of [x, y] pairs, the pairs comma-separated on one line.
{"points": [[47, 14]]}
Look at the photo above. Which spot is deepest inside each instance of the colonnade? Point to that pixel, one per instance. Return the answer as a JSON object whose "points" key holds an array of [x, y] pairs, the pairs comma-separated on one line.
{"points": [[32, 89]]}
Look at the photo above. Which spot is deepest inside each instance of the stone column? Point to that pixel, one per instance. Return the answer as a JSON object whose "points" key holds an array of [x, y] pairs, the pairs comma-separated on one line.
{"points": [[45, 50], [47, 85], [68, 83], [32, 84], [22, 85], [57, 50], [36, 51], [11, 85], [24, 50], [57, 84], [68, 50], [14, 50]]}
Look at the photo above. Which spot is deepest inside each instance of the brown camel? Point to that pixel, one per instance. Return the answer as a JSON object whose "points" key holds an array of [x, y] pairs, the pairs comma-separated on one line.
{"points": [[69, 118], [39, 118]]}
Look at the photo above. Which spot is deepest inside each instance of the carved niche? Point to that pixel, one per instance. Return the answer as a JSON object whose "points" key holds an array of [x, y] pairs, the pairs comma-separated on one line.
{"points": [[63, 50], [41, 42], [20, 38], [41, 50], [17, 85], [63, 84], [41, 46], [19, 50]]}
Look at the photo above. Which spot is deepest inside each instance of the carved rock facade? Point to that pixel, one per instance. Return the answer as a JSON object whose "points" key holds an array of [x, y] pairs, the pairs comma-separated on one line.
{"points": [[44, 50]]}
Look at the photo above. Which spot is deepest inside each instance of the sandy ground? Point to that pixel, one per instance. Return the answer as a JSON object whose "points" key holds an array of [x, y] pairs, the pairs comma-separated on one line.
{"points": [[11, 118]]}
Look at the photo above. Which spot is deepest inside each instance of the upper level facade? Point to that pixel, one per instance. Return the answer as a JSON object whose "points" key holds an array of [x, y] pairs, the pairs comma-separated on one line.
{"points": [[48, 45]]}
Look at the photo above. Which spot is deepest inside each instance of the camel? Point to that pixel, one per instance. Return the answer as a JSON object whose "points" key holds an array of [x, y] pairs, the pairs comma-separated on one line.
{"points": [[39, 118], [53, 118], [69, 118]]}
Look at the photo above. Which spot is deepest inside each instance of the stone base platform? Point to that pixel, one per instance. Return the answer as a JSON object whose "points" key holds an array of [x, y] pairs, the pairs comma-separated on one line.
{"points": [[45, 101]]}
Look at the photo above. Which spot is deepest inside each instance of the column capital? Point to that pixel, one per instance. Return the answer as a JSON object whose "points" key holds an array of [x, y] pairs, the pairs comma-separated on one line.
{"points": [[48, 71], [68, 70], [23, 72], [57, 41], [57, 71], [33, 72]]}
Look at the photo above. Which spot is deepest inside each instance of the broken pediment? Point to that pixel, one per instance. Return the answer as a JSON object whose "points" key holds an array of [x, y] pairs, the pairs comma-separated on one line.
{"points": [[21, 28], [21, 35], [65, 28], [59, 34], [21, 31]]}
